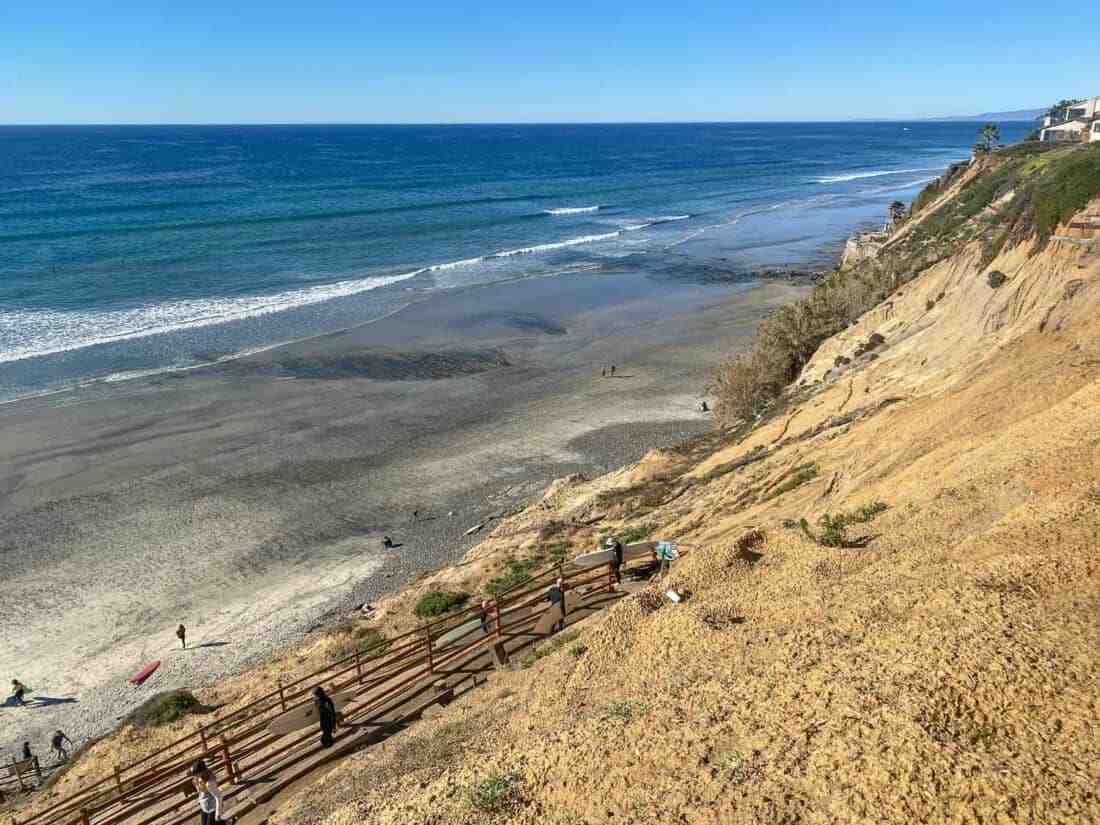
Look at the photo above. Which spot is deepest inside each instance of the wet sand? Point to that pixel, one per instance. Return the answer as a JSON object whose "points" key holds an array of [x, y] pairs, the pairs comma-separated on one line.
{"points": [[248, 500]]}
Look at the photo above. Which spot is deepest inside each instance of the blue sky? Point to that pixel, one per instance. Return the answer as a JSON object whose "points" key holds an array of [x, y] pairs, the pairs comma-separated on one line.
{"points": [[200, 61]]}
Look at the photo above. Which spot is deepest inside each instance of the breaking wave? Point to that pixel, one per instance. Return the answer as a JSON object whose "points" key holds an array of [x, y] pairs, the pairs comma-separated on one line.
{"points": [[571, 210], [860, 175]]}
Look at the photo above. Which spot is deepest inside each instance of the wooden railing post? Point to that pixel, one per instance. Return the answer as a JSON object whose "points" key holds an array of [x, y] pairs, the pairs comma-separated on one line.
{"points": [[202, 736], [84, 818], [358, 668], [282, 695], [431, 659], [228, 762], [610, 576], [496, 610], [118, 778]]}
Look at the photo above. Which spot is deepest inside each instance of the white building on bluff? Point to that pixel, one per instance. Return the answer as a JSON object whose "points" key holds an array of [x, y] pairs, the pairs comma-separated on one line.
{"points": [[1077, 122]]}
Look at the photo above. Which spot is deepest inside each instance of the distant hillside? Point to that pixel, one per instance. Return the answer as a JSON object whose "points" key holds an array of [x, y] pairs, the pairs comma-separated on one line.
{"points": [[1017, 114]]}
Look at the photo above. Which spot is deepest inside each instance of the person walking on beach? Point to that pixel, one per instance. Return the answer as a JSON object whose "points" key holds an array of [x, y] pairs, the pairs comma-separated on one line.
{"points": [[612, 370], [57, 742], [18, 690], [326, 715], [556, 596], [27, 751], [181, 634], [210, 796]]}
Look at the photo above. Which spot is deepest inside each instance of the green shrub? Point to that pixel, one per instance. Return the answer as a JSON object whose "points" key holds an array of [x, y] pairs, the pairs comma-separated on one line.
{"points": [[802, 474], [1069, 186], [516, 572], [640, 532], [578, 650], [438, 602], [625, 711], [166, 708], [996, 278], [496, 794], [834, 527]]}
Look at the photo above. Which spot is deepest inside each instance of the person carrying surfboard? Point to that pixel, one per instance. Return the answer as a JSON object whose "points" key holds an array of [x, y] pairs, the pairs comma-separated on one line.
{"points": [[210, 796], [326, 715], [615, 546], [556, 596], [18, 690]]}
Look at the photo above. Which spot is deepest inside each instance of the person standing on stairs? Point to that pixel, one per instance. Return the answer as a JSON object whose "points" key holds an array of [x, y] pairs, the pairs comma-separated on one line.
{"points": [[210, 795], [326, 715]]}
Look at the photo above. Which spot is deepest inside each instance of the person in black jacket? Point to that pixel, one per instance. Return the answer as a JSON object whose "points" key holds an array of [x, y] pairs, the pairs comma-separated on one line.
{"points": [[326, 715], [616, 546]]}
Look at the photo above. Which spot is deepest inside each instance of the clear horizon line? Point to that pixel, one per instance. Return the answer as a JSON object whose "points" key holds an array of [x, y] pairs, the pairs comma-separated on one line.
{"points": [[915, 119]]}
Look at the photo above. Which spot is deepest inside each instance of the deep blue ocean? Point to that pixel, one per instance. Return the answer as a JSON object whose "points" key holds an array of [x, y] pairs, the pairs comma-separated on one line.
{"points": [[126, 250]]}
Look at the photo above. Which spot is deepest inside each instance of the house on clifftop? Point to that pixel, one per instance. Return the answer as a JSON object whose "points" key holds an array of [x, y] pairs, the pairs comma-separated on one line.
{"points": [[1076, 122]]}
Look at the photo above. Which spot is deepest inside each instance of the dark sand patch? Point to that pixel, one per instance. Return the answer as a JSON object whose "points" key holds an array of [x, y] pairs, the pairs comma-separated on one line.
{"points": [[378, 365]]}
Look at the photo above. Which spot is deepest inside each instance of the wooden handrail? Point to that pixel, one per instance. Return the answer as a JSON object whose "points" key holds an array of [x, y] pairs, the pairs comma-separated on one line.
{"points": [[416, 656]]}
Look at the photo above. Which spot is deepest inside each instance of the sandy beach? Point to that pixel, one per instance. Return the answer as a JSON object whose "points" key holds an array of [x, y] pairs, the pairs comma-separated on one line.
{"points": [[249, 499]]}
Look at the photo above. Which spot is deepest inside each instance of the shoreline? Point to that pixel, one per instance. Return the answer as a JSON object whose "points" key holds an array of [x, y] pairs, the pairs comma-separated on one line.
{"points": [[250, 504]]}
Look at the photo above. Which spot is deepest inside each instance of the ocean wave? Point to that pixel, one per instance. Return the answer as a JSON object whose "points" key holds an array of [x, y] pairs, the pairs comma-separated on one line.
{"points": [[860, 175], [547, 247], [48, 332], [38, 333], [571, 210]]}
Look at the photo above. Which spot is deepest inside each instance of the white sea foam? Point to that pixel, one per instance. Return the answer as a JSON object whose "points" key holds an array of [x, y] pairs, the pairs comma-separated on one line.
{"points": [[860, 175], [33, 333], [546, 247], [572, 210]]}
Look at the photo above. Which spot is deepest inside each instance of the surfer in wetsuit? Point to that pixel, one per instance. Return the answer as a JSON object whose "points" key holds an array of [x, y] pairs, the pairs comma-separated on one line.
{"points": [[326, 715]]}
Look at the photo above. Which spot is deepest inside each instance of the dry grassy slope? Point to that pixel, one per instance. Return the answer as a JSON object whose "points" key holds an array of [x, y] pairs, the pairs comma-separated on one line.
{"points": [[948, 672]]}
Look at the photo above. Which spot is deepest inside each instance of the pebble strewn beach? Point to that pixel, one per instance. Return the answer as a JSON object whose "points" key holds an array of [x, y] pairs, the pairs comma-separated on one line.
{"points": [[251, 505]]}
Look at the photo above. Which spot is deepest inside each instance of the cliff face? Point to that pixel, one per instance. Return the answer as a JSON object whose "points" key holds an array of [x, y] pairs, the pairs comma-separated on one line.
{"points": [[894, 596]]}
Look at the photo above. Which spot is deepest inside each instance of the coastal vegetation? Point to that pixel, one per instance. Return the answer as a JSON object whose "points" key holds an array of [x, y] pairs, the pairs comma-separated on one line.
{"points": [[438, 602], [167, 708], [1010, 196]]}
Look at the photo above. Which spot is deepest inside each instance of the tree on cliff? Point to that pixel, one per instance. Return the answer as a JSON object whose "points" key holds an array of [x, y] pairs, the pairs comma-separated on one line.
{"points": [[1060, 107], [988, 137], [897, 212]]}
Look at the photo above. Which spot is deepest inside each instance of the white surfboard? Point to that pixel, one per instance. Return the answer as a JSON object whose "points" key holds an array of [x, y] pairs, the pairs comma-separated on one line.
{"points": [[305, 716], [631, 552], [597, 558]]}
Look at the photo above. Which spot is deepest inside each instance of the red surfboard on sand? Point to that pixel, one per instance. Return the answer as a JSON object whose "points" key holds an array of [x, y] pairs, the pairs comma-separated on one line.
{"points": [[143, 674]]}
